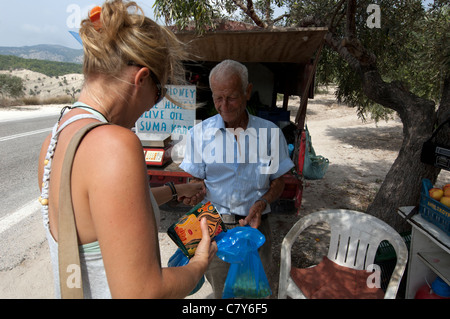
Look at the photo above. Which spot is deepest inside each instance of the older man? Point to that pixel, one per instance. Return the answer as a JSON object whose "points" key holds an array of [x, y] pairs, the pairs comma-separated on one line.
{"points": [[241, 159]]}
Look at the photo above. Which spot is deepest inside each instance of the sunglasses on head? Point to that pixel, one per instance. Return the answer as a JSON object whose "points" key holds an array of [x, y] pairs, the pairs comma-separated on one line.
{"points": [[161, 91]]}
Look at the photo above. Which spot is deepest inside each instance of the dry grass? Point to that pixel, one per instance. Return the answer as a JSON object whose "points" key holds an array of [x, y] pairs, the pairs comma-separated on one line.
{"points": [[35, 100]]}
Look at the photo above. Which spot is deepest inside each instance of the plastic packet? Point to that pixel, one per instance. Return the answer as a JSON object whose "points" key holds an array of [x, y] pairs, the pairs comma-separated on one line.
{"points": [[246, 277], [186, 232]]}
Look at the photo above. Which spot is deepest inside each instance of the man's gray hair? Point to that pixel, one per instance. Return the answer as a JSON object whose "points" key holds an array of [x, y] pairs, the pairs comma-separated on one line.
{"points": [[227, 67]]}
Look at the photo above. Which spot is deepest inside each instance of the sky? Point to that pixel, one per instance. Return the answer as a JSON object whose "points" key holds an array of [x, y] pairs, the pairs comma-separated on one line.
{"points": [[32, 22]]}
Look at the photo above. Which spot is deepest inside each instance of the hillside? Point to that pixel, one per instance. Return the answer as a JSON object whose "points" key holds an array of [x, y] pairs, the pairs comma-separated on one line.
{"points": [[43, 86], [49, 68], [45, 52], [44, 80]]}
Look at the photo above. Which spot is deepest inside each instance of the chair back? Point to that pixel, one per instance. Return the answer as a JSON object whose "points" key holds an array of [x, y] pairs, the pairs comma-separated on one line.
{"points": [[355, 238]]}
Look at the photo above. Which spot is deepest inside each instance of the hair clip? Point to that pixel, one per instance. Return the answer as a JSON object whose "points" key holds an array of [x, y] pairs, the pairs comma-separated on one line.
{"points": [[94, 16]]}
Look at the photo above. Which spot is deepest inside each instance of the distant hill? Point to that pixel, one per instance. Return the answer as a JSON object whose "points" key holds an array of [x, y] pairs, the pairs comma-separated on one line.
{"points": [[49, 68], [45, 52]]}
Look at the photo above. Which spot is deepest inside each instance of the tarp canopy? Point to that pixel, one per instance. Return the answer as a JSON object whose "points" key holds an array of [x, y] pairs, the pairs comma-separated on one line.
{"points": [[293, 45]]}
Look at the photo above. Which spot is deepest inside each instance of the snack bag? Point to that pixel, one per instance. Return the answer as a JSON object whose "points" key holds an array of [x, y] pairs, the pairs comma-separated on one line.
{"points": [[186, 232]]}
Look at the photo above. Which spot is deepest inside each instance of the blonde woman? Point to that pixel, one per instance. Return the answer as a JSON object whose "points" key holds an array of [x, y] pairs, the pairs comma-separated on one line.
{"points": [[128, 59]]}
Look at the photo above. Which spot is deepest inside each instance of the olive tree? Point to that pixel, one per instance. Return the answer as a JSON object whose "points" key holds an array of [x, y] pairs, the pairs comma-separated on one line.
{"points": [[11, 86]]}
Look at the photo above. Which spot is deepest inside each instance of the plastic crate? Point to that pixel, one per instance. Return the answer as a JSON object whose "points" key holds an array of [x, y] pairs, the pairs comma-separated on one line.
{"points": [[432, 210]]}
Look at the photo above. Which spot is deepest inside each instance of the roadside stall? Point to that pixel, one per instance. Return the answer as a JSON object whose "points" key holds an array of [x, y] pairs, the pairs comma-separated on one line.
{"points": [[281, 63]]}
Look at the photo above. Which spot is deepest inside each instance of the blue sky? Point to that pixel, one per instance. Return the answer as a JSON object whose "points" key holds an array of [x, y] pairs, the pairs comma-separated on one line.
{"points": [[31, 22]]}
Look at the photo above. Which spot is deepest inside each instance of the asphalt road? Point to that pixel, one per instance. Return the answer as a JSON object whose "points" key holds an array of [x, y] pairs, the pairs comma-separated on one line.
{"points": [[20, 220], [20, 142]]}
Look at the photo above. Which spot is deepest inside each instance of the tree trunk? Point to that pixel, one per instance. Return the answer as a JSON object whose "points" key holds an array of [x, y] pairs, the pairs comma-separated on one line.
{"points": [[402, 184]]}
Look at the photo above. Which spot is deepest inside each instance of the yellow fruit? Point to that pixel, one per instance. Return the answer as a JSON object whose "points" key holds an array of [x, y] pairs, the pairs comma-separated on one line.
{"points": [[446, 200], [436, 193], [446, 190]]}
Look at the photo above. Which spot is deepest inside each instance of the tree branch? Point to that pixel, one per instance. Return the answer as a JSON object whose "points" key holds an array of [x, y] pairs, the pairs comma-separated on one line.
{"points": [[350, 30], [338, 7], [286, 15], [250, 11], [340, 47], [391, 95], [268, 10]]}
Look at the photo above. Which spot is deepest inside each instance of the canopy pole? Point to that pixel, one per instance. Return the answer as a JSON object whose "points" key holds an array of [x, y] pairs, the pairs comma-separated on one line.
{"points": [[301, 113]]}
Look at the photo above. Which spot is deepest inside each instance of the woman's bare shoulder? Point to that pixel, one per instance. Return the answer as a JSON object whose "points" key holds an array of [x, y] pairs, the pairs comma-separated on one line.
{"points": [[113, 137], [111, 147]]}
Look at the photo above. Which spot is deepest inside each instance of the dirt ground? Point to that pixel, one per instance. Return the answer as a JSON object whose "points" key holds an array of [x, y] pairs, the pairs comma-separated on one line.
{"points": [[360, 155]]}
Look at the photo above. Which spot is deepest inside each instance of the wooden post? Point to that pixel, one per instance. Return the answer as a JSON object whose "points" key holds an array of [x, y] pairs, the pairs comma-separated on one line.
{"points": [[300, 118]]}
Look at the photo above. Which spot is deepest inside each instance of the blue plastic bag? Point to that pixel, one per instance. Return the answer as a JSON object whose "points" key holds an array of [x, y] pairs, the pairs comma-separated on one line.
{"points": [[179, 259], [246, 277]]}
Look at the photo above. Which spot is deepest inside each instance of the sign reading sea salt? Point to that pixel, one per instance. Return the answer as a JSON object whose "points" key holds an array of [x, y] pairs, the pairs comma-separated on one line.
{"points": [[169, 118]]}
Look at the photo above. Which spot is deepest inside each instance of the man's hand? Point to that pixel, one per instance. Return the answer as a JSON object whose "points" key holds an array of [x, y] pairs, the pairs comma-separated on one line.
{"points": [[254, 217]]}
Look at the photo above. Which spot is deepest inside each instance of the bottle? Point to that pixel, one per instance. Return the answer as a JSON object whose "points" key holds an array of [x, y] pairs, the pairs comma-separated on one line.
{"points": [[438, 290], [291, 150]]}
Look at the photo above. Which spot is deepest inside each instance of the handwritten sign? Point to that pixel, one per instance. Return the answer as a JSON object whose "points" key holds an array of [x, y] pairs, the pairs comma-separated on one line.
{"points": [[169, 118]]}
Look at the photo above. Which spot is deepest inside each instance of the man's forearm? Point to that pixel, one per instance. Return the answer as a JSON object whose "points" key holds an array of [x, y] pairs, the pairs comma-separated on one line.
{"points": [[275, 190]]}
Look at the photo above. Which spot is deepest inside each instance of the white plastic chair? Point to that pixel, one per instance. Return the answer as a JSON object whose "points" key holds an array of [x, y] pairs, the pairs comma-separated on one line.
{"points": [[354, 241]]}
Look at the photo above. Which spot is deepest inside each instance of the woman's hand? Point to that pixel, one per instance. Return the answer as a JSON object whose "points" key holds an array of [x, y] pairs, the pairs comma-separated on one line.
{"points": [[192, 193], [206, 249]]}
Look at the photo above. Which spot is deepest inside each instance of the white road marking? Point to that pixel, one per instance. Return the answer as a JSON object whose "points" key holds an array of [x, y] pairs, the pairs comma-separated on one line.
{"points": [[12, 137], [16, 217]]}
